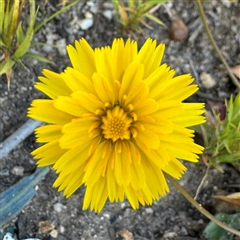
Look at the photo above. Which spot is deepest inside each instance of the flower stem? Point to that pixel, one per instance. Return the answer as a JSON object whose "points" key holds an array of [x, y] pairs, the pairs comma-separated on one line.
{"points": [[199, 206], [204, 21]]}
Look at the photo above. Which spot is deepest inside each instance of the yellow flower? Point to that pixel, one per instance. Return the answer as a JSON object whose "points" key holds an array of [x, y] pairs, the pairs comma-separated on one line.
{"points": [[116, 123]]}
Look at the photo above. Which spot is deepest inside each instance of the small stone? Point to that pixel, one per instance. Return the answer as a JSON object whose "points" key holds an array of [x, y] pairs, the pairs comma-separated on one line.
{"points": [[183, 231], [62, 229], [4, 172], [8, 236], [149, 210], [178, 30], [123, 205], [207, 80], [88, 15], [45, 226], [200, 221], [18, 170], [106, 215], [86, 23], [108, 14], [61, 43], [47, 48], [58, 207], [54, 233], [125, 234], [170, 235], [176, 228]]}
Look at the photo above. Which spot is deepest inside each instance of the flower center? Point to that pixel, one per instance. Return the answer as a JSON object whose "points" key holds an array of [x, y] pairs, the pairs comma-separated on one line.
{"points": [[116, 124]]}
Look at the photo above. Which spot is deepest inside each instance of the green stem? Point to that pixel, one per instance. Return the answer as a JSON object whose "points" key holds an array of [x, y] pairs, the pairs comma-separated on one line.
{"points": [[204, 21], [199, 206]]}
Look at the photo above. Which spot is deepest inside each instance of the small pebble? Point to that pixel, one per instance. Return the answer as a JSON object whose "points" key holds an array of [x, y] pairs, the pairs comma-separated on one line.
{"points": [[170, 235], [178, 30], [58, 207], [108, 14], [86, 23], [61, 43], [18, 170], [149, 210], [88, 15], [106, 215], [4, 172], [207, 80], [62, 229], [54, 233], [8, 236]]}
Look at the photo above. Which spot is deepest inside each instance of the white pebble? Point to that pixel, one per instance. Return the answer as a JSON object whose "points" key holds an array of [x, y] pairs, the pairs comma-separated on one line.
{"points": [[54, 233], [88, 15], [106, 215], [47, 48], [86, 23], [108, 14], [207, 80], [8, 236], [62, 46], [18, 170], [58, 207], [62, 229], [169, 235], [149, 210]]}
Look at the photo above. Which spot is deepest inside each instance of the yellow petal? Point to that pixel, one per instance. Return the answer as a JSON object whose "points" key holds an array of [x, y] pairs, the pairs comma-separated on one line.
{"points": [[70, 106], [132, 76], [45, 111], [150, 56], [82, 57], [71, 159], [52, 85], [105, 90], [104, 63], [48, 133], [175, 168], [77, 81], [48, 154], [123, 55], [89, 101], [96, 164], [148, 138]]}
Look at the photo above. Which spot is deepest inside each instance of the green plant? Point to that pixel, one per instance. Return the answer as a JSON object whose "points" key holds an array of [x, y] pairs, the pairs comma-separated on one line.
{"points": [[14, 43], [222, 137], [132, 13]]}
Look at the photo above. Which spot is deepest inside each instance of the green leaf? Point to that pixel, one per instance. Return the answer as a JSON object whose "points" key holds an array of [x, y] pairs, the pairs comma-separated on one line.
{"points": [[155, 19], [24, 46], [5, 66], [13, 21], [214, 232], [150, 3], [19, 34], [2, 6], [38, 57], [230, 109], [2, 43], [236, 110], [13, 200], [229, 158], [6, 22]]}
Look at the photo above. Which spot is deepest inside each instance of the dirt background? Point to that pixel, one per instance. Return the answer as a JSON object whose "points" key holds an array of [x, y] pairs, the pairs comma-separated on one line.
{"points": [[170, 218]]}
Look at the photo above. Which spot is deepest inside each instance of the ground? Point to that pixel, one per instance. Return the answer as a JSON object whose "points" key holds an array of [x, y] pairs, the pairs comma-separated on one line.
{"points": [[172, 217]]}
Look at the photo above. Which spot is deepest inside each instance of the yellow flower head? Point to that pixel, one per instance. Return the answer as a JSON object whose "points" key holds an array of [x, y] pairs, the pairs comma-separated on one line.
{"points": [[116, 123]]}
